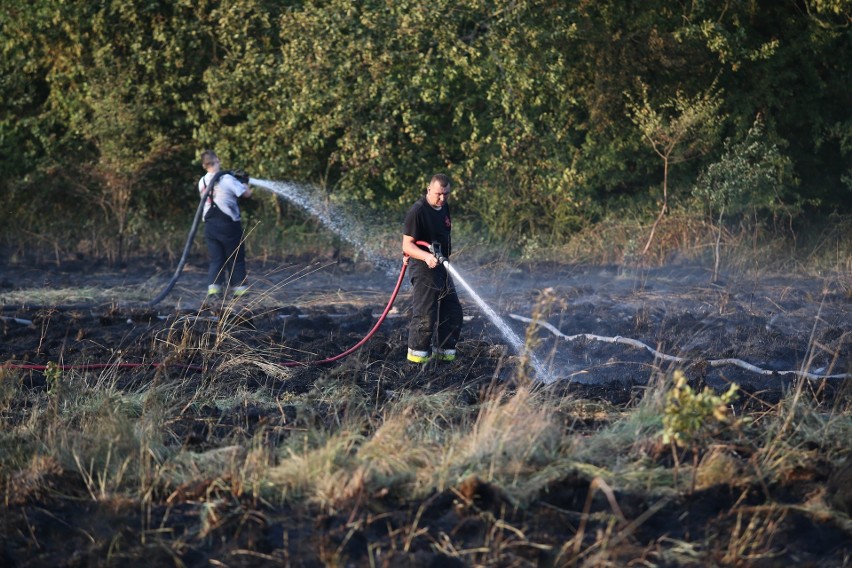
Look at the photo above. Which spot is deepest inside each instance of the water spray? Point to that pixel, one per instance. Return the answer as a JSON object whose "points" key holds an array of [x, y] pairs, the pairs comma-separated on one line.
{"points": [[334, 220], [541, 372], [300, 196]]}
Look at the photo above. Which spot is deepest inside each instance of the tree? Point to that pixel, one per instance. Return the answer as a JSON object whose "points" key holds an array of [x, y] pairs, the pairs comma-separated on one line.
{"points": [[679, 129], [752, 174]]}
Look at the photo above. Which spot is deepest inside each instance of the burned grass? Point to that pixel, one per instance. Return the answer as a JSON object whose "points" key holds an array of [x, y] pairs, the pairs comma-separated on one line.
{"points": [[230, 453]]}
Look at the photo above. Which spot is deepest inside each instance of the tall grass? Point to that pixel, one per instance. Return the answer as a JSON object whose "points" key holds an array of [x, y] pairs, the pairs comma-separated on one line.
{"points": [[822, 247], [346, 450]]}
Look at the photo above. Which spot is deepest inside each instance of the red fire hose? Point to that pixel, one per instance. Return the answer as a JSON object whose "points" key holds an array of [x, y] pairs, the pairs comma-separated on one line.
{"points": [[366, 337]]}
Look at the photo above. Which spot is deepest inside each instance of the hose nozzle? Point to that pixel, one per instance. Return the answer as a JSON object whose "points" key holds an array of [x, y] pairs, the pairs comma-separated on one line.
{"points": [[241, 176], [435, 249]]}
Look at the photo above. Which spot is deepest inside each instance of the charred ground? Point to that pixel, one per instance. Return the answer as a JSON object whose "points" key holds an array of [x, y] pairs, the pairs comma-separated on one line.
{"points": [[304, 312]]}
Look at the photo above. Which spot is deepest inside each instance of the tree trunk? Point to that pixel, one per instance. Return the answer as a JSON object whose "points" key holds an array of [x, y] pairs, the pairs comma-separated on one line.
{"points": [[663, 208]]}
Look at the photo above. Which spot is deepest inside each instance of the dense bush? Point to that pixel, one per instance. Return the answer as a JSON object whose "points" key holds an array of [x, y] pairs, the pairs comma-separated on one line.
{"points": [[551, 117]]}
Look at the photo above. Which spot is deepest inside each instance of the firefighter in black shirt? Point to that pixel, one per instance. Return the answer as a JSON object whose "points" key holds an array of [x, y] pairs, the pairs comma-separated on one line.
{"points": [[434, 298]]}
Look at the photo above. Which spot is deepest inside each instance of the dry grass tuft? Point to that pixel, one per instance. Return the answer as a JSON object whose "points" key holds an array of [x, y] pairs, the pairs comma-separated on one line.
{"points": [[719, 466], [313, 471], [33, 482], [509, 436]]}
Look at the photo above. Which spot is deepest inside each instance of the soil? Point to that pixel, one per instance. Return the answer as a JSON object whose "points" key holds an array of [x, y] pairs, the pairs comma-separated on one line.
{"points": [[303, 310]]}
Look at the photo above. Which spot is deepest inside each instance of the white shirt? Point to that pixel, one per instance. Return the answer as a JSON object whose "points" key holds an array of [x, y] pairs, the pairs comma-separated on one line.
{"points": [[228, 189]]}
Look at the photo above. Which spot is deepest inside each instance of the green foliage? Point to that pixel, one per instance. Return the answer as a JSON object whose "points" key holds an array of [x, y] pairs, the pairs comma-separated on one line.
{"points": [[690, 417], [116, 81], [105, 106], [681, 127], [53, 375], [751, 176]]}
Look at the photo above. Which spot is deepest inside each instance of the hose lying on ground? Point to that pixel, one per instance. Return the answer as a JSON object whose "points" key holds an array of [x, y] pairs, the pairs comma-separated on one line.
{"points": [[665, 357], [366, 337]]}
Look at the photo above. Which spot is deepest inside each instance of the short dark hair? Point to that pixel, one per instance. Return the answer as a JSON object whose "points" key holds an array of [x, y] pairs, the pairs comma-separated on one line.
{"points": [[443, 179], [208, 157]]}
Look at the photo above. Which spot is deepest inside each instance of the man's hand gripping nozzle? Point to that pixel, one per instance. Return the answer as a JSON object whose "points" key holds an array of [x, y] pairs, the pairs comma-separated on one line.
{"points": [[435, 249]]}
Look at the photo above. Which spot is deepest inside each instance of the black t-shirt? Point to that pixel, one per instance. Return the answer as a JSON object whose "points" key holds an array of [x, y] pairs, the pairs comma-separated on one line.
{"points": [[426, 224]]}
